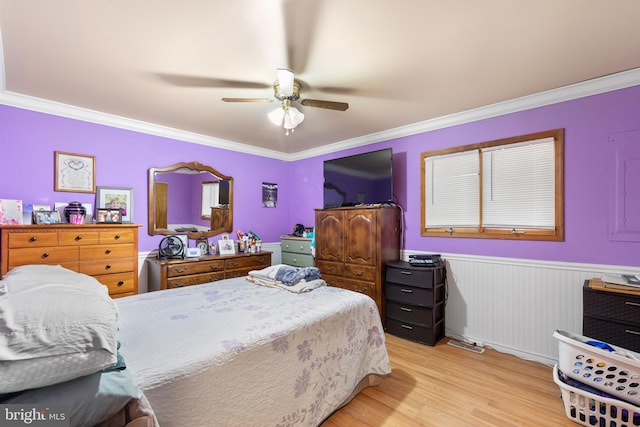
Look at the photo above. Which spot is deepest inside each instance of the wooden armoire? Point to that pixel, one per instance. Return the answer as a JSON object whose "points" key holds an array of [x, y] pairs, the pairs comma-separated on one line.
{"points": [[354, 243]]}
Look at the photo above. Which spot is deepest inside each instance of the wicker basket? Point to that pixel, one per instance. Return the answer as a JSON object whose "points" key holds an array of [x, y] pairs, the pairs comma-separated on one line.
{"points": [[592, 409], [615, 373]]}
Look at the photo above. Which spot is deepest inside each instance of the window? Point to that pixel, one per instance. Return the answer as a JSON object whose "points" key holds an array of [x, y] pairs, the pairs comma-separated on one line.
{"points": [[210, 198], [505, 189]]}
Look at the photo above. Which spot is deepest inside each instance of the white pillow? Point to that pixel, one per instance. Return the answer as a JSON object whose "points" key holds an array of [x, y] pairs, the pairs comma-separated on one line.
{"points": [[48, 312]]}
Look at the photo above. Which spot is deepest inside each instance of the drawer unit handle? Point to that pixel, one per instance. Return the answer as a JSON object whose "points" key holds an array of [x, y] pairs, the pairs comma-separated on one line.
{"points": [[632, 332], [181, 270], [234, 263], [407, 327], [406, 309], [120, 282], [286, 246], [107, 267], [408, 273], [45, 255], [407, 291], [302, 248], [262, 260], [33, 239], [78, 238], [359, 273], [117, 236], [179, 285], [108, 251], [635, 304]]}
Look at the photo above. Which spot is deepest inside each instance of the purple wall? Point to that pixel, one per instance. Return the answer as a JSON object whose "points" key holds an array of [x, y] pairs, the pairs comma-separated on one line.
{"points": [[588, 124], [123, 157]]}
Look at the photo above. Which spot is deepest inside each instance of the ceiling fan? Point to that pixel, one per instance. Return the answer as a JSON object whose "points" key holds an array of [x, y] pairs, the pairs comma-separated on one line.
{"points": [[287, 90]]}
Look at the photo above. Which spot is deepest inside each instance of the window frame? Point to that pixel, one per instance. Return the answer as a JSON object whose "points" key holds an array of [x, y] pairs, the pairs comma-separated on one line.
{"points": [[555, 234]]}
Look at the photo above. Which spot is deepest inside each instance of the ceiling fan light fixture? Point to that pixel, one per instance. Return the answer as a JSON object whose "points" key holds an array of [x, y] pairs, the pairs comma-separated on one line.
{"points": [[276, 116], [286, 116]]}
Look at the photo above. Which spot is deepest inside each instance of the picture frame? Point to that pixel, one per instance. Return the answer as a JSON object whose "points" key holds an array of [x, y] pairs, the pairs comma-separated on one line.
{"points": [[269, 195], [116, 198], [109, 216], [11, 211], [46, 217], [226, 246], [75, 172]]}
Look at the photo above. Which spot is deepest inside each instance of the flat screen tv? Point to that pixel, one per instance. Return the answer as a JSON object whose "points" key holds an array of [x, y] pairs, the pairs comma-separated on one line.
{"points": [[359, 179]]}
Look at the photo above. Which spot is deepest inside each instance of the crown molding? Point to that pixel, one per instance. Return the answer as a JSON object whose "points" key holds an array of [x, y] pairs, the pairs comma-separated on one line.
{"points": [[596, 86]]}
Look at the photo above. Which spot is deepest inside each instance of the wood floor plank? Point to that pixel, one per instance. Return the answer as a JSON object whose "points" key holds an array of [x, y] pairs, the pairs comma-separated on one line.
{"points": [[445, 386]]}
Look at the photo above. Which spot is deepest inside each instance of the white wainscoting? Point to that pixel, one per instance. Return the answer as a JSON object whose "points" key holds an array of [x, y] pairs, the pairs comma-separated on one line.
{"points": [[514, 305]]}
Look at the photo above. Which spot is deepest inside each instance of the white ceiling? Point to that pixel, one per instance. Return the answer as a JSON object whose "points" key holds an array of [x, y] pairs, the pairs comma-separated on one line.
{"points": [[397, 63]]}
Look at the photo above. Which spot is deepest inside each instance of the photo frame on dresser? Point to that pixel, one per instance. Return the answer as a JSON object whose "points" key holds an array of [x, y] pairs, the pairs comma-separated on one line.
{"points": [[46, 217], [116, 198], [109, 216]]}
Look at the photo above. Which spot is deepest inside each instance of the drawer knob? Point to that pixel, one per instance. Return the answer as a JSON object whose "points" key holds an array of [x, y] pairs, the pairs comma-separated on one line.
{"points": [[407, 291], [45, 255], [120, 282], [33, 239], [78, 238], [108, 251], [117, 236], [107, 267], [181, 270]]}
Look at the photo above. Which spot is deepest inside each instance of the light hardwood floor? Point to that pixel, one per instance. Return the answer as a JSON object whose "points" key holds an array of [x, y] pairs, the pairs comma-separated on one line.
{"points": [[445, 386]]}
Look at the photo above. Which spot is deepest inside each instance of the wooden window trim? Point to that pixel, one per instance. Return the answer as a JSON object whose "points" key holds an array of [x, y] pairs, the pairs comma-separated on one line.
{"points": [[557, 234]]}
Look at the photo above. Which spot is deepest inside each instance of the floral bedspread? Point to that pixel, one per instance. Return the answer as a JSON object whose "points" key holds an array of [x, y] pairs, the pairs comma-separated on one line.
{"points": [[232, 353]]}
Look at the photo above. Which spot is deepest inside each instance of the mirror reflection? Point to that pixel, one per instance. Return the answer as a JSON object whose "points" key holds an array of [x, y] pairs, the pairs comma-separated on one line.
{"points": [[190, 198]]}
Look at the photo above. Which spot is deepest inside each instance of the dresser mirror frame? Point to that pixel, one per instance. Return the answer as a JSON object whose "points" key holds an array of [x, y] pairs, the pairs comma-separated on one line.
{"points": [[221, 218]]}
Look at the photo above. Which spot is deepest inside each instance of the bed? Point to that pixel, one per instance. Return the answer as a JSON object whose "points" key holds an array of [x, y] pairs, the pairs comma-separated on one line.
{"points": [[233, 352]]}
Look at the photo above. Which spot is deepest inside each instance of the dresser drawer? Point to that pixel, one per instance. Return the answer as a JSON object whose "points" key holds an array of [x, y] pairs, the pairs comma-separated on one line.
{"points": [[187, 268], [423, 297], [43, 255], [366, 288], [296, 246], [78, 237], [297, 260], [254, 262], [196, 279], [32, 240], [417, 333], [618, 334], [413, 314], [106, 252], [360, 272], [423, 278], [101, 266], [118, 283], [613, 306], [328, 267], [118, 236]]}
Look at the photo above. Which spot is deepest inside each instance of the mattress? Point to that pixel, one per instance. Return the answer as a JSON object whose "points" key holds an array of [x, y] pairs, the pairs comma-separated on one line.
{"points": [[235, 353]]}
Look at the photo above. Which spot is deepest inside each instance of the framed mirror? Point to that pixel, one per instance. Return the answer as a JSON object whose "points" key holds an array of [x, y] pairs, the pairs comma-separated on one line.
{"points": [[190, 198]]}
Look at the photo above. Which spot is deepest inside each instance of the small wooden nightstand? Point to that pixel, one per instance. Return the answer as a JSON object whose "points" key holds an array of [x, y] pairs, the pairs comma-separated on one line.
{"points": [[296, 251]]}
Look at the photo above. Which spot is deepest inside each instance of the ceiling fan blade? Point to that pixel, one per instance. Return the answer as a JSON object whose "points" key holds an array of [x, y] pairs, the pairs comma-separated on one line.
{"points": [[247, 100], [199, 81], [285, 81], [300, 22], [330, 105]]}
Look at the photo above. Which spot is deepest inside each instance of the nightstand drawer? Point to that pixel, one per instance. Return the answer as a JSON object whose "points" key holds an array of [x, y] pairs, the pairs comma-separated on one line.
{"points": [[196, 279], [297, 260], [413, 295], [296, 246], [613, 306], [187, 268], [426, 278], [253, 262], [413, 314], [421, 334], [618, 334]]}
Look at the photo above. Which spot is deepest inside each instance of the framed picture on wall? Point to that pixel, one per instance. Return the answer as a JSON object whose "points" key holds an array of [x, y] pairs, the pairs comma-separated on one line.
{"points": [[116, 198], [75, 172]]}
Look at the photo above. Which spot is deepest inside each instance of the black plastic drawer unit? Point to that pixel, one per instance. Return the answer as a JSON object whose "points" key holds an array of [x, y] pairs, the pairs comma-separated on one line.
{"points": [[415, 301]]}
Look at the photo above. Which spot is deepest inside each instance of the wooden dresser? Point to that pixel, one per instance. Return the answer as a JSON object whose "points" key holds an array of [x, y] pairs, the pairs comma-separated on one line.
{"points": [[108, 252], [176, 273], [354, 243]]}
